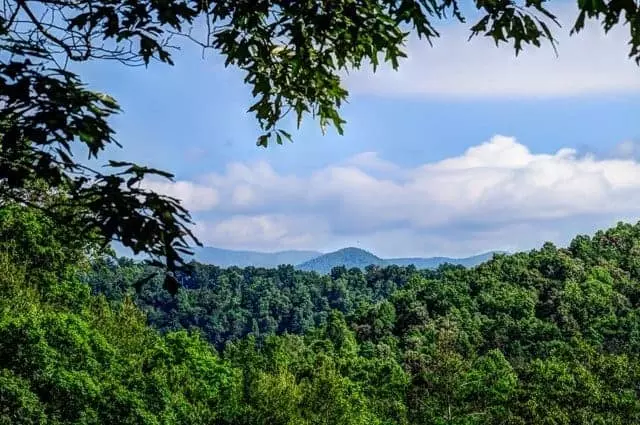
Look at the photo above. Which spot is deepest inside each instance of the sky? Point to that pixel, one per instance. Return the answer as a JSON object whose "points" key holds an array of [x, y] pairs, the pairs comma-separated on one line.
{"points": [[464, 150]]}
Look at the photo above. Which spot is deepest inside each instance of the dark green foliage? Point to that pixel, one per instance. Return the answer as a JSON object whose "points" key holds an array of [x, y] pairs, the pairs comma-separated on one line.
{"points": [[546, 337], [67, 357], [46, 112], [78, 360], [227, 304]]}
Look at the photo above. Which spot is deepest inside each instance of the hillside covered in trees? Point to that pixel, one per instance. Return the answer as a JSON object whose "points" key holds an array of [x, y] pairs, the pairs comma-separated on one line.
{"points": [[551, 336], [547, 337]]}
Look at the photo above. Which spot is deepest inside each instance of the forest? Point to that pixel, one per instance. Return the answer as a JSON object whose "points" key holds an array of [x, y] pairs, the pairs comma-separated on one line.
{"points": [[550, 336], [546, 337]]}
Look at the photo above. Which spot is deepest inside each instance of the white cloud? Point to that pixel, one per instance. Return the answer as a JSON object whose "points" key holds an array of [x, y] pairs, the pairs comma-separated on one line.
{"points": [[496, 195], [371, 161], [263, 232], [588, 63], [193, 196]]}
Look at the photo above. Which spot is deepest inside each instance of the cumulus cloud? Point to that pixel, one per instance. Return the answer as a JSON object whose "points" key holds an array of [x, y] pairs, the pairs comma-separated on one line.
{"points": [[496, 195], [371, 161], [588, 63], [264, 232], [195, 197]]}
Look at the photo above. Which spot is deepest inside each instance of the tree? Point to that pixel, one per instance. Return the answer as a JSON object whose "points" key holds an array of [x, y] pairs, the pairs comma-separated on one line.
{"points": [[291, 51]]}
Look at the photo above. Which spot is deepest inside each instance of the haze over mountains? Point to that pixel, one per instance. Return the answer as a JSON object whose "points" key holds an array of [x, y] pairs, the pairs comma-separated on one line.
{"points": [[227, 257], [323, 263]]}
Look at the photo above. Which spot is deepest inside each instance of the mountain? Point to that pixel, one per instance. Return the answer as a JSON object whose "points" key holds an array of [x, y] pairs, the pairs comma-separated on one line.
{"points": [[314, 260], [434, 262], [356, 257], [349, 257], [227, 258]]}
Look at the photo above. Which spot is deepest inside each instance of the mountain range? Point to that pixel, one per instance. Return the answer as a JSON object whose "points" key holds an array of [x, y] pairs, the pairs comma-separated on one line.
{"points": [[227, 257], [323, 263]]}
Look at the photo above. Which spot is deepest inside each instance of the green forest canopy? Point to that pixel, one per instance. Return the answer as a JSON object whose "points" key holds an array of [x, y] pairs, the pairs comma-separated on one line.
{"points": [[292, 53], [546, 337], [551, 336]]}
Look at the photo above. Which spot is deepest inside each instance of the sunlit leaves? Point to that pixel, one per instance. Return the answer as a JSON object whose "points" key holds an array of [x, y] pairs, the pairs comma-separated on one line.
{"points": [[548, 336]]}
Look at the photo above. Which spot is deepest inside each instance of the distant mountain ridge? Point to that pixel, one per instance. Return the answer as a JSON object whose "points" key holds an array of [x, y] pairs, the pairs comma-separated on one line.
{"points": [[323, 263], [348, 257], [228, 258], [359, 258], [434, 262]]}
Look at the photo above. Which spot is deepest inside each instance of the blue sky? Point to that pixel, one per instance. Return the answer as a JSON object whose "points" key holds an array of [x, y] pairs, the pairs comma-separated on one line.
{"points": [[465, 149]]}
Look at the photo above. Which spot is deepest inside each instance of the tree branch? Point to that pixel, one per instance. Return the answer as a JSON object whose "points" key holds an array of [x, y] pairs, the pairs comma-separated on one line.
{"points": [[34, 19]]}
